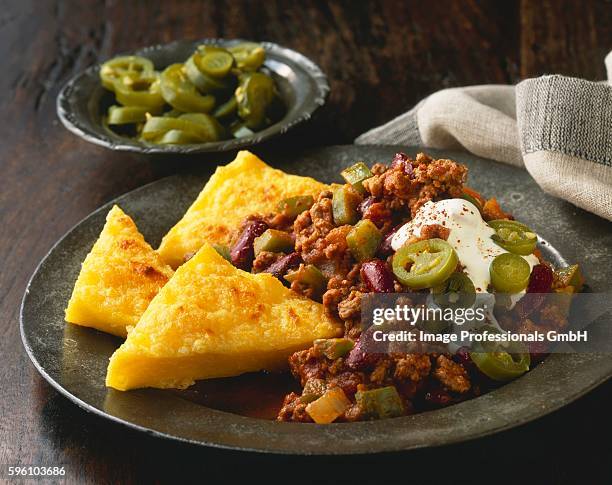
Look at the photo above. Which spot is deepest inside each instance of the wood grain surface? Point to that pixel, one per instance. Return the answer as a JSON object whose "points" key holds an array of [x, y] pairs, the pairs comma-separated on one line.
{"points": [[381, 57]]}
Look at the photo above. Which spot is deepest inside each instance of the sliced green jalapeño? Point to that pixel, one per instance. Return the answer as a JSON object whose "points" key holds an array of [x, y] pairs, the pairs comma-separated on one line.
{"points": [[122, 66], [180, 93], [457, 291], [424, 264], [514, 236], [500, 362], [509, 273]]}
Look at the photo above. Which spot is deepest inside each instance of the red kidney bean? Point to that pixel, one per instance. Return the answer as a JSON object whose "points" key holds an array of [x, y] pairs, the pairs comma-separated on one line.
{"points": [[541, 279], [242, 254], [540, 282], [385, 248], [284, 264], [366, 204], [377, 276], [438, 396], [462, 356], [347, 381], [376, 211], [401, 159], [359, 358]]}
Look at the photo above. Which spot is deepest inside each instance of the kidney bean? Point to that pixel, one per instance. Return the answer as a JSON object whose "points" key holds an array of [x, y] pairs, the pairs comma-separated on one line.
{"points": [[438, 396], [242, 254], [540, 282], [377, 276], [376, 211], [462, 356], [284, 264], [385, 248], [359, 358], [401, 159], [366, 204], [541, 279]]}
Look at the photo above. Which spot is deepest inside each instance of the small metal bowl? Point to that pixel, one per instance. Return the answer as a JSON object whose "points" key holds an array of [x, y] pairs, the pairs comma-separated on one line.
{"points": [[82, 103]]}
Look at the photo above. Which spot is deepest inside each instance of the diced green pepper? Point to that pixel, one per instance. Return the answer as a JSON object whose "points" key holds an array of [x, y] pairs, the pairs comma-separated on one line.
{"points": [[356, 174], [344, 205], [273, 241], [333, 348], [310, 276], [570, 276], [294, 206], [313, 389], [363, 240], [223, 251], [329, 406], [380, 403]]}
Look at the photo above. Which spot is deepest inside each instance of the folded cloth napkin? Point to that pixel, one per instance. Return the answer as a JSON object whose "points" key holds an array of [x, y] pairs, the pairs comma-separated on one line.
{"points": [[558, 128]]}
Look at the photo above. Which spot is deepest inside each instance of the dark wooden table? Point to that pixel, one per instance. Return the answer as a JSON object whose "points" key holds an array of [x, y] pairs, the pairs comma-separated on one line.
{"points": [[381, 57]]}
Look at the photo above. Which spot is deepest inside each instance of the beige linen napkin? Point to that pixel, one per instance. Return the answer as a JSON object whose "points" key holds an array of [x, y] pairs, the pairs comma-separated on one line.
{"points": [[559, 128]]}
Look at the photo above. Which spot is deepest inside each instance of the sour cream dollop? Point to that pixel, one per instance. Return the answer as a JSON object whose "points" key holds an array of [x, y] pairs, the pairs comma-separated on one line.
{"points": [[469, 235]]}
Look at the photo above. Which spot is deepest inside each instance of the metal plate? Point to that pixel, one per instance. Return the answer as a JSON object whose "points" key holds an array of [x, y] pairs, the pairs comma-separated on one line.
{"points": [[74, 359], [83, 102]]}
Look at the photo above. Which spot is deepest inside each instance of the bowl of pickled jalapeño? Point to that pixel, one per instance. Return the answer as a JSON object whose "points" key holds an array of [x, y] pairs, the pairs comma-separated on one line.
{"points": [[189, 97]]}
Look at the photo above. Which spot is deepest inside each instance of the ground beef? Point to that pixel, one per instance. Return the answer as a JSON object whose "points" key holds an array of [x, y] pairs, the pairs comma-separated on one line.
{"points": [[339, 287], [432, 231], [378, 168], [279, 221], [347, 381], [350, 307], [306, 365], [380, 214], [382, 369], [264, 259], [408, 184], [413, 367], [452, 375], [293, 410], [312, 225]]}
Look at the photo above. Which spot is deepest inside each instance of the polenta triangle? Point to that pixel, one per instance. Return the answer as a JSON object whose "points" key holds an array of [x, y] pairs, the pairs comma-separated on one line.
{"points": [[118, 279], [243, 187], [214, 320]]}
